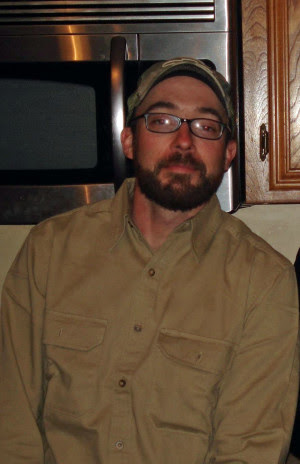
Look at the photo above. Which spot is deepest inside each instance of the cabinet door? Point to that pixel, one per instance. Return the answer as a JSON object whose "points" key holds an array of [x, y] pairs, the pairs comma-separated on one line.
{"points": [[271, 56]]}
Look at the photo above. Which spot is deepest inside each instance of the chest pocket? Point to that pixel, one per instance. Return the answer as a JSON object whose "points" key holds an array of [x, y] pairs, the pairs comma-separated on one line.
{"points": [[188, 369], [73, 346], [198, 352]]}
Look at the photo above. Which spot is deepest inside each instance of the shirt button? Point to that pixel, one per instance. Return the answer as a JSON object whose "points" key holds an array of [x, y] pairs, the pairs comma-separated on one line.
{"points": [[122, 382], [151, 272], [137, 328], [119, 445]]}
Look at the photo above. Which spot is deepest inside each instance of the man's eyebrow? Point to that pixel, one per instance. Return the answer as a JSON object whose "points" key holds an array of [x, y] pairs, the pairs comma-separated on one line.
{"points": [[209, 110], [171, 106]]}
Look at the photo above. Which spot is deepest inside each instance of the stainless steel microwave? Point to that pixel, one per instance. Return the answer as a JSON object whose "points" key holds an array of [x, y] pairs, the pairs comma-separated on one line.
{"points": [[66, 69]]}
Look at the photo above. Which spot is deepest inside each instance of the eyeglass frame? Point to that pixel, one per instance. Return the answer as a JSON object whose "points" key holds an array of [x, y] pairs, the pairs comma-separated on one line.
{"points": [[180, 121]]}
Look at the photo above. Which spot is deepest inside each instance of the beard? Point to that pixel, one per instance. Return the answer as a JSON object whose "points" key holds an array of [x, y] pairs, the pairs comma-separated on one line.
{"points": [[178, 194]]}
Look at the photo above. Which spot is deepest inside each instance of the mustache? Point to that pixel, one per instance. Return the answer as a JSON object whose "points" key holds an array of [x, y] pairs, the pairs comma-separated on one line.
{"points": [[176, 158]]}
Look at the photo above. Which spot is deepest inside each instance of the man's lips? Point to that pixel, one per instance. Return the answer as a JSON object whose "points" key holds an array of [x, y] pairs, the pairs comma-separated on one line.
{"points": [[181, 168]]}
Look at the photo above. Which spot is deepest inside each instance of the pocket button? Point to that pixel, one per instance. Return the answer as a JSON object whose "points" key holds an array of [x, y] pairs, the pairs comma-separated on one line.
{"points": [[119, 445], [137, 328]]}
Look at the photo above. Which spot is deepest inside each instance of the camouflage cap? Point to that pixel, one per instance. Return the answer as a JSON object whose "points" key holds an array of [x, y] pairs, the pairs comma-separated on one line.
{"points": [[189, 66]]}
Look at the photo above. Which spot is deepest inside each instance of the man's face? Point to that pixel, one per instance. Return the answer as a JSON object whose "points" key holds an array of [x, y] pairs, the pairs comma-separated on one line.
{"points": [[178, 170]]}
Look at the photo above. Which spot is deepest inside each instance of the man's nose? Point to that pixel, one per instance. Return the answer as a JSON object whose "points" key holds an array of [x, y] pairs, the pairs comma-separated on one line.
{"points": [[183, 137]]}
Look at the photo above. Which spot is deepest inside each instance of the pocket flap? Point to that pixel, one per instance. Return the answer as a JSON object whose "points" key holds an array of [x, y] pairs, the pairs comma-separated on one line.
{"points": [[72, 331], [199, 352]]}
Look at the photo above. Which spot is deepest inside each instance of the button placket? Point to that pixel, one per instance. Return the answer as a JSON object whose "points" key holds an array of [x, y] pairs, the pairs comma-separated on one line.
{"points": [[136, 343]]}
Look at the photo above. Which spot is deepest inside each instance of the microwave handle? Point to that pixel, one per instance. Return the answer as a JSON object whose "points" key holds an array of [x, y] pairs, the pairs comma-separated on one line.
{"points": [[117, 61]]}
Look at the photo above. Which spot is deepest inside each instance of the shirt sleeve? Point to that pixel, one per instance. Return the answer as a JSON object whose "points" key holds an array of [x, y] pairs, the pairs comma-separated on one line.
{"points": [[21, 372], [257, 399]]}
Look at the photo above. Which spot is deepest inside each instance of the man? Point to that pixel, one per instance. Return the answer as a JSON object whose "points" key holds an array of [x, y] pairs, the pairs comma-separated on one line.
{"points": [[153, 328]]}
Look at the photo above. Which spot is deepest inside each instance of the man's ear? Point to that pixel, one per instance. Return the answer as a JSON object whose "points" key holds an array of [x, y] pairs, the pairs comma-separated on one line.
{"points": [[230, 153], [127, 141]]}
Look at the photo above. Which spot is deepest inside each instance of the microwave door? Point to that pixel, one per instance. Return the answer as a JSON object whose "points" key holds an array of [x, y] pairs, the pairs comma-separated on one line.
{"points": [[118, 54]]}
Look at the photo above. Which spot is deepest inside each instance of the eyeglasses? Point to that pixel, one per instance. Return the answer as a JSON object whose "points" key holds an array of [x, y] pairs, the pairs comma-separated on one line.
{"points": [[163, 123]]}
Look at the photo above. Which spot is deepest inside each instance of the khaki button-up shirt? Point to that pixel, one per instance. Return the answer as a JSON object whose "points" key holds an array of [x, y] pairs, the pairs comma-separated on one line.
{"points": [[113, 353]]}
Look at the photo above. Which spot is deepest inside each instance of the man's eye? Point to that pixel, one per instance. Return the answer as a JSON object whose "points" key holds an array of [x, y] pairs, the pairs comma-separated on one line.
{"points": [[208, 128], [205, 127], [160, 121]]}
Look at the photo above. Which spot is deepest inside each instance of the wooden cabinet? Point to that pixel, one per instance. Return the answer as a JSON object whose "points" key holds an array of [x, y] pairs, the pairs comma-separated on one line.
{"points": [[271, 73]]}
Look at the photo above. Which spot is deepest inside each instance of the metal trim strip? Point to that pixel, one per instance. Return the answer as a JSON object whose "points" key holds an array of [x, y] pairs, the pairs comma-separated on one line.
{"points": [[84, 3], [108, 11]]}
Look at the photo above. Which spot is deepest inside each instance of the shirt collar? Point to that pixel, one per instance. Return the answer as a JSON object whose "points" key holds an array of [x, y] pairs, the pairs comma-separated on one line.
{"points": [[204, 225], [121, 209]]}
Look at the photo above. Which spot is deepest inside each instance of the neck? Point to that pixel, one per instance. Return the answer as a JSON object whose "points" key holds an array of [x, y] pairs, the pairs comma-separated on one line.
{"points": [[155, 222]]}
